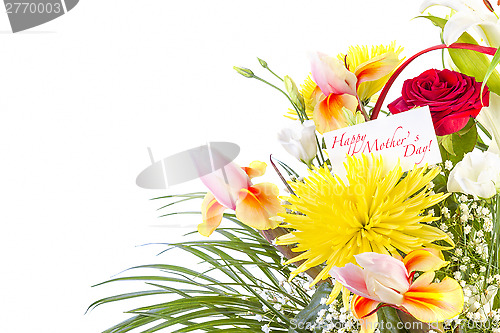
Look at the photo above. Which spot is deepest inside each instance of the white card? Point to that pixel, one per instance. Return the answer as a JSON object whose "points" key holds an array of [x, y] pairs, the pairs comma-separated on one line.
{"points": [[408, 137]]}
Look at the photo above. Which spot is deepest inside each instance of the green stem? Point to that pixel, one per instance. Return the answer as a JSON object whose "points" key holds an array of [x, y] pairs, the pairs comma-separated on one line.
{"points": [[442, 51], [280, 175], [269, 69], [264, 64], [320, 152], [495, 242], [481, 146], [362, 109], [284, 93], [485, 131], [496, 233], [319, 162], [302, 115]]}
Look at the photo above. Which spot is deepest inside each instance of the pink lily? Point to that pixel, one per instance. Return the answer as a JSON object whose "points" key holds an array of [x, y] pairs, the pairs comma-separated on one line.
{"points": [[231, 188], [390, 281]]}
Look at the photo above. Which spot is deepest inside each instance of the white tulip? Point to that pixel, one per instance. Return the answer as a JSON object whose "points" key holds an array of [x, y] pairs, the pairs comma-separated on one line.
{"points": [[300, 141], [469, 14], [477, 174]]}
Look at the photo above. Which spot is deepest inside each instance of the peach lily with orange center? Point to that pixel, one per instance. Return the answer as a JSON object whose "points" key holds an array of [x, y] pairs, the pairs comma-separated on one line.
{"points": [[231, 188], [340, 86], [336, 88], [385, 280]]}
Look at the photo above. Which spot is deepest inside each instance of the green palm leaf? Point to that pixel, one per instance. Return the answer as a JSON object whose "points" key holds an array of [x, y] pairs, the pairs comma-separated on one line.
{"points": [[239, 278]]}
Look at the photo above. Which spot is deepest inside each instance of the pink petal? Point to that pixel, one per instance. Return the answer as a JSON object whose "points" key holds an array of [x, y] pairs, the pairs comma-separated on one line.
{"points": [[331, 76], [353, 278], [226, 183], [390, 271]]}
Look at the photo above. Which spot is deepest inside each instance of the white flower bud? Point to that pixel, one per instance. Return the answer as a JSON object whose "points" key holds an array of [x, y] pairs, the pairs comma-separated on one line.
{"points": [[300, 141]]}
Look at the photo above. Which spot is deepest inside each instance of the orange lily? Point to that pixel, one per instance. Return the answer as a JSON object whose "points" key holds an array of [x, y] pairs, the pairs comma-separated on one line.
{"points": [[387, 280], [231, 188]]}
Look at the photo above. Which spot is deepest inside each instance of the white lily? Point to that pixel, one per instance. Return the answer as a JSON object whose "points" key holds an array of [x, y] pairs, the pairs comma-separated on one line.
{"points": [[475, 14], [489, 117]]}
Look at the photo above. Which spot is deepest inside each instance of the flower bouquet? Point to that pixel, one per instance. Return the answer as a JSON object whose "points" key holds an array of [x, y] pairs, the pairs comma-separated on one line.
{"points": [[394, 228]]}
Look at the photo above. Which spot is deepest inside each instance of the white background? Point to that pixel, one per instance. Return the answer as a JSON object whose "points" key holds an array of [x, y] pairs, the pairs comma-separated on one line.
{"points": [[82, 97]]}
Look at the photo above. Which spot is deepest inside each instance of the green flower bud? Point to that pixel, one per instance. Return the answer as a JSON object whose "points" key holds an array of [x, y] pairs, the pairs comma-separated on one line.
{"points": [[244, 71], [293, 92], [353, 118], [263, 63]]}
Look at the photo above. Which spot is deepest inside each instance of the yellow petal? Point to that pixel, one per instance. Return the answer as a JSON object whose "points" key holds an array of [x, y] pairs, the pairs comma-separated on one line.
{"points": [[423, 260], [360, 59], [377, 67], [257, 203], [335, 292], [255, 169], [345, 297], [433, 302], [328, 114], [211, 213]]}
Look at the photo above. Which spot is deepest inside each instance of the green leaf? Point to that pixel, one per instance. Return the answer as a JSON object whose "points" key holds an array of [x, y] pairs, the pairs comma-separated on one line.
{"points": [[412, 325], [491, 69], [288, 169], [470, 62], [224, 295], [388, 321], [307, 317], [454, 146]]}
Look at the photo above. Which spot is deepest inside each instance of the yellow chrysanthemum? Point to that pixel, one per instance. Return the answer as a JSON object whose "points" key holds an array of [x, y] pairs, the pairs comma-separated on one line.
{"points": [[362, 58], [376, 211]]}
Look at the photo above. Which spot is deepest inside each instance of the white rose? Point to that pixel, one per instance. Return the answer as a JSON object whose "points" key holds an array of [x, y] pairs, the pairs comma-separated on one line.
{"points": [[477, 174], [300, 141]]}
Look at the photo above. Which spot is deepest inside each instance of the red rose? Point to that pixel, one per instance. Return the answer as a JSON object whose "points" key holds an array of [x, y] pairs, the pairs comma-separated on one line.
{"points": [[451, 96]]}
